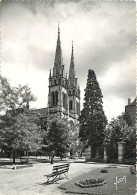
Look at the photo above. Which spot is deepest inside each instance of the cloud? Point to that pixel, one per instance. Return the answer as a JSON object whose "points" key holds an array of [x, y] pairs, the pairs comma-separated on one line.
{"points": [[104, 40]]}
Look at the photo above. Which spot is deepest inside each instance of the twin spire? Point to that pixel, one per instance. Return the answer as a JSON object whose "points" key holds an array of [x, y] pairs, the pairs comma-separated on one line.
{"points": [[58, 63], [72, 68], [58, 56]]}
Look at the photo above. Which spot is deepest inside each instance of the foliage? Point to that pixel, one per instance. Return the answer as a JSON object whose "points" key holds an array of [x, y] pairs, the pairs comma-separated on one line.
{"points": [[92, 119], [14, 98], [80, 147], [120, 129], [21, 132], [58, 137], [18, 128], [73, 137]]}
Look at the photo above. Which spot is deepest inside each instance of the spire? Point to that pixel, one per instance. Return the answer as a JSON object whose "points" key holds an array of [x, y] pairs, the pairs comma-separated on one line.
{"points": [[72, 45], [58, 55], [58, 27], [72, 68]]}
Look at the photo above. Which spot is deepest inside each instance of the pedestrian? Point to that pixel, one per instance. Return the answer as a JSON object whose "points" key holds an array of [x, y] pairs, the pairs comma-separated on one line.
{"points": [[52, 157]]}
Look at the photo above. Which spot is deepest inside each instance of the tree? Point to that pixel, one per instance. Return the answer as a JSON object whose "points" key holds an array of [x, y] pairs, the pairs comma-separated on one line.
{"points": [[58, 137], [119, 129], [74, 135], [92, 118], [13, 99], [18, 127], [21, 132]]}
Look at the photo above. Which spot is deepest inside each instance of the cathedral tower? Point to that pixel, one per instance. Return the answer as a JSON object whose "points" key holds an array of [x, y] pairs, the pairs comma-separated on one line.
{"points": [[58, 97], [64, 93], [73, 91]]}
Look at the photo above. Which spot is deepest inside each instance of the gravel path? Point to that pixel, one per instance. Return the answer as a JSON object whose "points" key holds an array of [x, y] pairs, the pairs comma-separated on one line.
{"points": [[31, 181]]}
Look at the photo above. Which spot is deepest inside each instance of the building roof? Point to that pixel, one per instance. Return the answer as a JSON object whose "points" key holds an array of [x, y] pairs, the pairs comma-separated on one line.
{"points": [[133, 103], [42, 111]]}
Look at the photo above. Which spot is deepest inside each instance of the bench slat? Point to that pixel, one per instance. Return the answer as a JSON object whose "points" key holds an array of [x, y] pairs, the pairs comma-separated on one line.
{"points": [[57, 173], [58, 170], [60, 166]]}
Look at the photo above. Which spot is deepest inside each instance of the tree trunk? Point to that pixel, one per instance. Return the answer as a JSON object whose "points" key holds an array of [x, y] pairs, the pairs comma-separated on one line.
{"points": [[93, 151], [51, 162], [27, 157], [61, 158], [14, 155]]}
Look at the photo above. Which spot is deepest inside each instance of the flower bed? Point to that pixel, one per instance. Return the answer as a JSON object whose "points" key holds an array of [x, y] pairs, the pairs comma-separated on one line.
{"points": [[104, 170], [91, 183], [14, 167]]}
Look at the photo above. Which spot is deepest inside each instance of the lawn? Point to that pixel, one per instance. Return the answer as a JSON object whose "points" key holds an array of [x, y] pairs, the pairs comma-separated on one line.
{"points": [[128, 188]]}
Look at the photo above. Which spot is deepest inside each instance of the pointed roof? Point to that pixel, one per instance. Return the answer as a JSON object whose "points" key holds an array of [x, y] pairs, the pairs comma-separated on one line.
{"points": [[72, 68], [58, 56]]}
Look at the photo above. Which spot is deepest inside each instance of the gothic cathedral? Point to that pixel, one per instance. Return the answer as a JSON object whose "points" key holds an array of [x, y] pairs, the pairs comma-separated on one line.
{"points": [[64, 91]]}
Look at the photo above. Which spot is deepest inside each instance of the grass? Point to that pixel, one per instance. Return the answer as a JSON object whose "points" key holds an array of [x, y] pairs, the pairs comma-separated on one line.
{"points": [[128, 188]]}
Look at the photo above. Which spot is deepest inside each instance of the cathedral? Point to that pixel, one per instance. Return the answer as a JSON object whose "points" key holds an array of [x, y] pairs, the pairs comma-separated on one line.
{"points": [[64, 90]]}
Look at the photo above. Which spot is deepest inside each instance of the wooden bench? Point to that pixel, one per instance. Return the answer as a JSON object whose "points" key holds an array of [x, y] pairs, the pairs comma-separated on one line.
{"points": [[58, 170], [23, 160]]}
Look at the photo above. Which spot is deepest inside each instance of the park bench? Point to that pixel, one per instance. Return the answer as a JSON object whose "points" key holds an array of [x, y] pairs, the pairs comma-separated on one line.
{"points": [[23, 160], [58, 170]]}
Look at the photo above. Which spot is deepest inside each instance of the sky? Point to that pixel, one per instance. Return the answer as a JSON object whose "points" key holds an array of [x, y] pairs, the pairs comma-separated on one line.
{"points": [[103, 35]]}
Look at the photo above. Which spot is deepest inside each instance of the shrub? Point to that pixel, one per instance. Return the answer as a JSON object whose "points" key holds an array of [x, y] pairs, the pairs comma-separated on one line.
{"points": [[132, 169], [104, 170]]}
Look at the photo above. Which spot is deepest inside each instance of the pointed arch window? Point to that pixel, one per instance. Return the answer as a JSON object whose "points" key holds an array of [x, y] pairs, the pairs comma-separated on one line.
{"points": [[59, 80], [55, 98], [64, 100], [70, 105], [69, 92], [78, 108]]}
